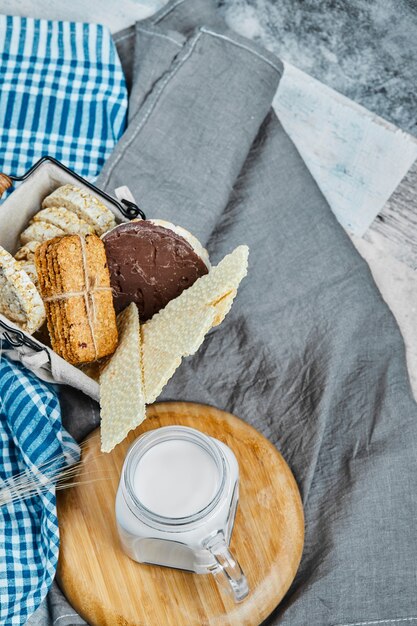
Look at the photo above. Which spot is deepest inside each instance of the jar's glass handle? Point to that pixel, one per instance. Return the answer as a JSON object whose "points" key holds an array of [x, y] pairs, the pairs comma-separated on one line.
{"points": [[226, 568]]}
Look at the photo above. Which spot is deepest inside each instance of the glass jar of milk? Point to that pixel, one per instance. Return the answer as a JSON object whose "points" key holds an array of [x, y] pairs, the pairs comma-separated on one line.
{"points": [[176, 504]]}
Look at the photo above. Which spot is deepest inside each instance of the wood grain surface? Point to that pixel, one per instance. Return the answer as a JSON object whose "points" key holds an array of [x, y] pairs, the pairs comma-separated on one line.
{"points": [[108, 589], [397, 222]]}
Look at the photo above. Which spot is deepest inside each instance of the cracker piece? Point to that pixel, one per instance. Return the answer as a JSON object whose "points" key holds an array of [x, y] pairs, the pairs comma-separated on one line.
{"points": [[20, 301], [27, 252], [40, 231], [29, 268], [84, 205], [166, 339], [122, 398], [65, 219]]}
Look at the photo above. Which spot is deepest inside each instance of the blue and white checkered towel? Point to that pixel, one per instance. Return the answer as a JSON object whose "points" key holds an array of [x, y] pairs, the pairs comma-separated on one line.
{"points": [[62, 93], [32, 440]]}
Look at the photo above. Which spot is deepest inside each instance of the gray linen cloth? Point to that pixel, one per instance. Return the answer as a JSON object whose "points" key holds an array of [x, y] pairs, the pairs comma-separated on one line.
{"points": [[310, 354]]}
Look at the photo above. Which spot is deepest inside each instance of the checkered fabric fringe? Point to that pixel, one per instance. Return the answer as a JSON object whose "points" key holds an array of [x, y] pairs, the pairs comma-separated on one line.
{"points": [[62, 93], [32, 440]]}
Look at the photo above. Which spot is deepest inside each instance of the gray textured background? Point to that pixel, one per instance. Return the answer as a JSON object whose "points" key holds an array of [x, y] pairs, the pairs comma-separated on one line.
{"points": [[366, 49]]}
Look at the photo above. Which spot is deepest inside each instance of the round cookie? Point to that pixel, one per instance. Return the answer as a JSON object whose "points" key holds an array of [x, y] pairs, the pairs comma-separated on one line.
{"points": [[65, 219], [151, 264], [86, 206], [27, 252], [30, 269], [193, 241], [39, 231], [20, 301]]}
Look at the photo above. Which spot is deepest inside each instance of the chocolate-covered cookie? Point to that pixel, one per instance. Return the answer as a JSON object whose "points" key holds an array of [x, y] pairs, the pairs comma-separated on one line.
{"points": [[152, 263]]}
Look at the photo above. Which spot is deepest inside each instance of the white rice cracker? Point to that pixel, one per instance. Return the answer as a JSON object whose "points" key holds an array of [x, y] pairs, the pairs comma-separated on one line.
{"points": [[65, 219], [20, 301], [84, 205], [40, 231], [122, 398], [27, 252], [166, 340], [30, 269]]}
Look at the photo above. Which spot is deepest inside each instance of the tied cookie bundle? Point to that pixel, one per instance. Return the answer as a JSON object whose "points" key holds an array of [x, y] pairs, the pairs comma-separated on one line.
{"points": [[125, 302], [75, 287]]}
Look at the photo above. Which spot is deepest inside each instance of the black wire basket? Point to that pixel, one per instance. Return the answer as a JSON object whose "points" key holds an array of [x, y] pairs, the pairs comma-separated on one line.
{"points": [[126, 208]]}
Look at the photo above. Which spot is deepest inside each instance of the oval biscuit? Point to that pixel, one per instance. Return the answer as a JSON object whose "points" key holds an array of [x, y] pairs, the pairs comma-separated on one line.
{"points": [[30, 269], [40, 231], [65, 219], [20, 301], [27, 252], [83, 204]]}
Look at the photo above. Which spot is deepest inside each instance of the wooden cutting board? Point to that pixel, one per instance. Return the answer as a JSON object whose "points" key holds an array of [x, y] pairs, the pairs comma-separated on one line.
{"points": [[108, 589]]}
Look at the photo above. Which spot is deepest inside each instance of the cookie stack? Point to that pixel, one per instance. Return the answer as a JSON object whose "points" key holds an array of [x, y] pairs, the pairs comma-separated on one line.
{"points": [[75, 285], [67, 211]]}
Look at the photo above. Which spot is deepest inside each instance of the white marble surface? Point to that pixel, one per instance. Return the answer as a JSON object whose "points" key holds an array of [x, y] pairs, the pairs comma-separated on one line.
{"points": [[365, 49], [357, 158]]}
